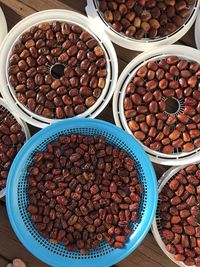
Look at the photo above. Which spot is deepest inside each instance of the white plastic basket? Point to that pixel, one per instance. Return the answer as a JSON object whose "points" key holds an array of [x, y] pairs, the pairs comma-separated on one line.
{"points": [[24, 126], [177, 158], [143, 44], [73, 18], [166, 177], [197, 31], [3, 26]]}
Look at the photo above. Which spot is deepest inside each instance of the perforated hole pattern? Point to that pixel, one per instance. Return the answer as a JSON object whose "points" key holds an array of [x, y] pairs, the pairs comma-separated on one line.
{"points": [[130, 76], [23, 197]]}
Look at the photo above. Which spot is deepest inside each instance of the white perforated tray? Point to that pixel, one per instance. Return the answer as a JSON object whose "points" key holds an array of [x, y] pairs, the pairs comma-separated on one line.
{"points": [[71, 17], [144, 44], [155, 226], [177, 158]]}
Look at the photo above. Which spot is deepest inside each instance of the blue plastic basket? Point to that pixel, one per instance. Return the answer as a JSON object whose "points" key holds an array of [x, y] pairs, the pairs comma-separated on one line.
{"points": [[17, 199]]}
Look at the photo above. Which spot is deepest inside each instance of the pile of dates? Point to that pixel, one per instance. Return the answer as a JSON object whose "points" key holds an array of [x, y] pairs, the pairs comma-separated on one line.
{"points": [[179, 212], [82, 191], [146, 18], [148, 97], [12, 139], [57, 70]]}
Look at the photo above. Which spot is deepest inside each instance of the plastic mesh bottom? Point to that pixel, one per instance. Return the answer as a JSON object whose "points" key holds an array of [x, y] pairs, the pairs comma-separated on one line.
{"points": [[23, 197]]}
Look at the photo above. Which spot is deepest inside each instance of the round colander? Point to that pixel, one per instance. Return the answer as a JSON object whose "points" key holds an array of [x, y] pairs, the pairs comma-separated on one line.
{"points": [[156, 227], [17, 198]]}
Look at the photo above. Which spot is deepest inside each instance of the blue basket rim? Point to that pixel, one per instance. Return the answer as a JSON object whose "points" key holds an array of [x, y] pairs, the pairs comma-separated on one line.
{"points": [[104, 261]]}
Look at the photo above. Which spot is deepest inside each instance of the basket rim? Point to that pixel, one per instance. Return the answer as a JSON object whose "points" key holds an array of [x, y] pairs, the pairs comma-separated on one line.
{"points": [[4, 27], [196, 31], [147, 217]]}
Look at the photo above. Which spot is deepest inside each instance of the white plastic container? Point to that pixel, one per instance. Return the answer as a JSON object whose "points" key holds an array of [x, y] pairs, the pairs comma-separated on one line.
{"points": [[166, 177], [177, 158], [145, 43], [5, 106], [3, 26], [197, 31], [73, 18]]}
